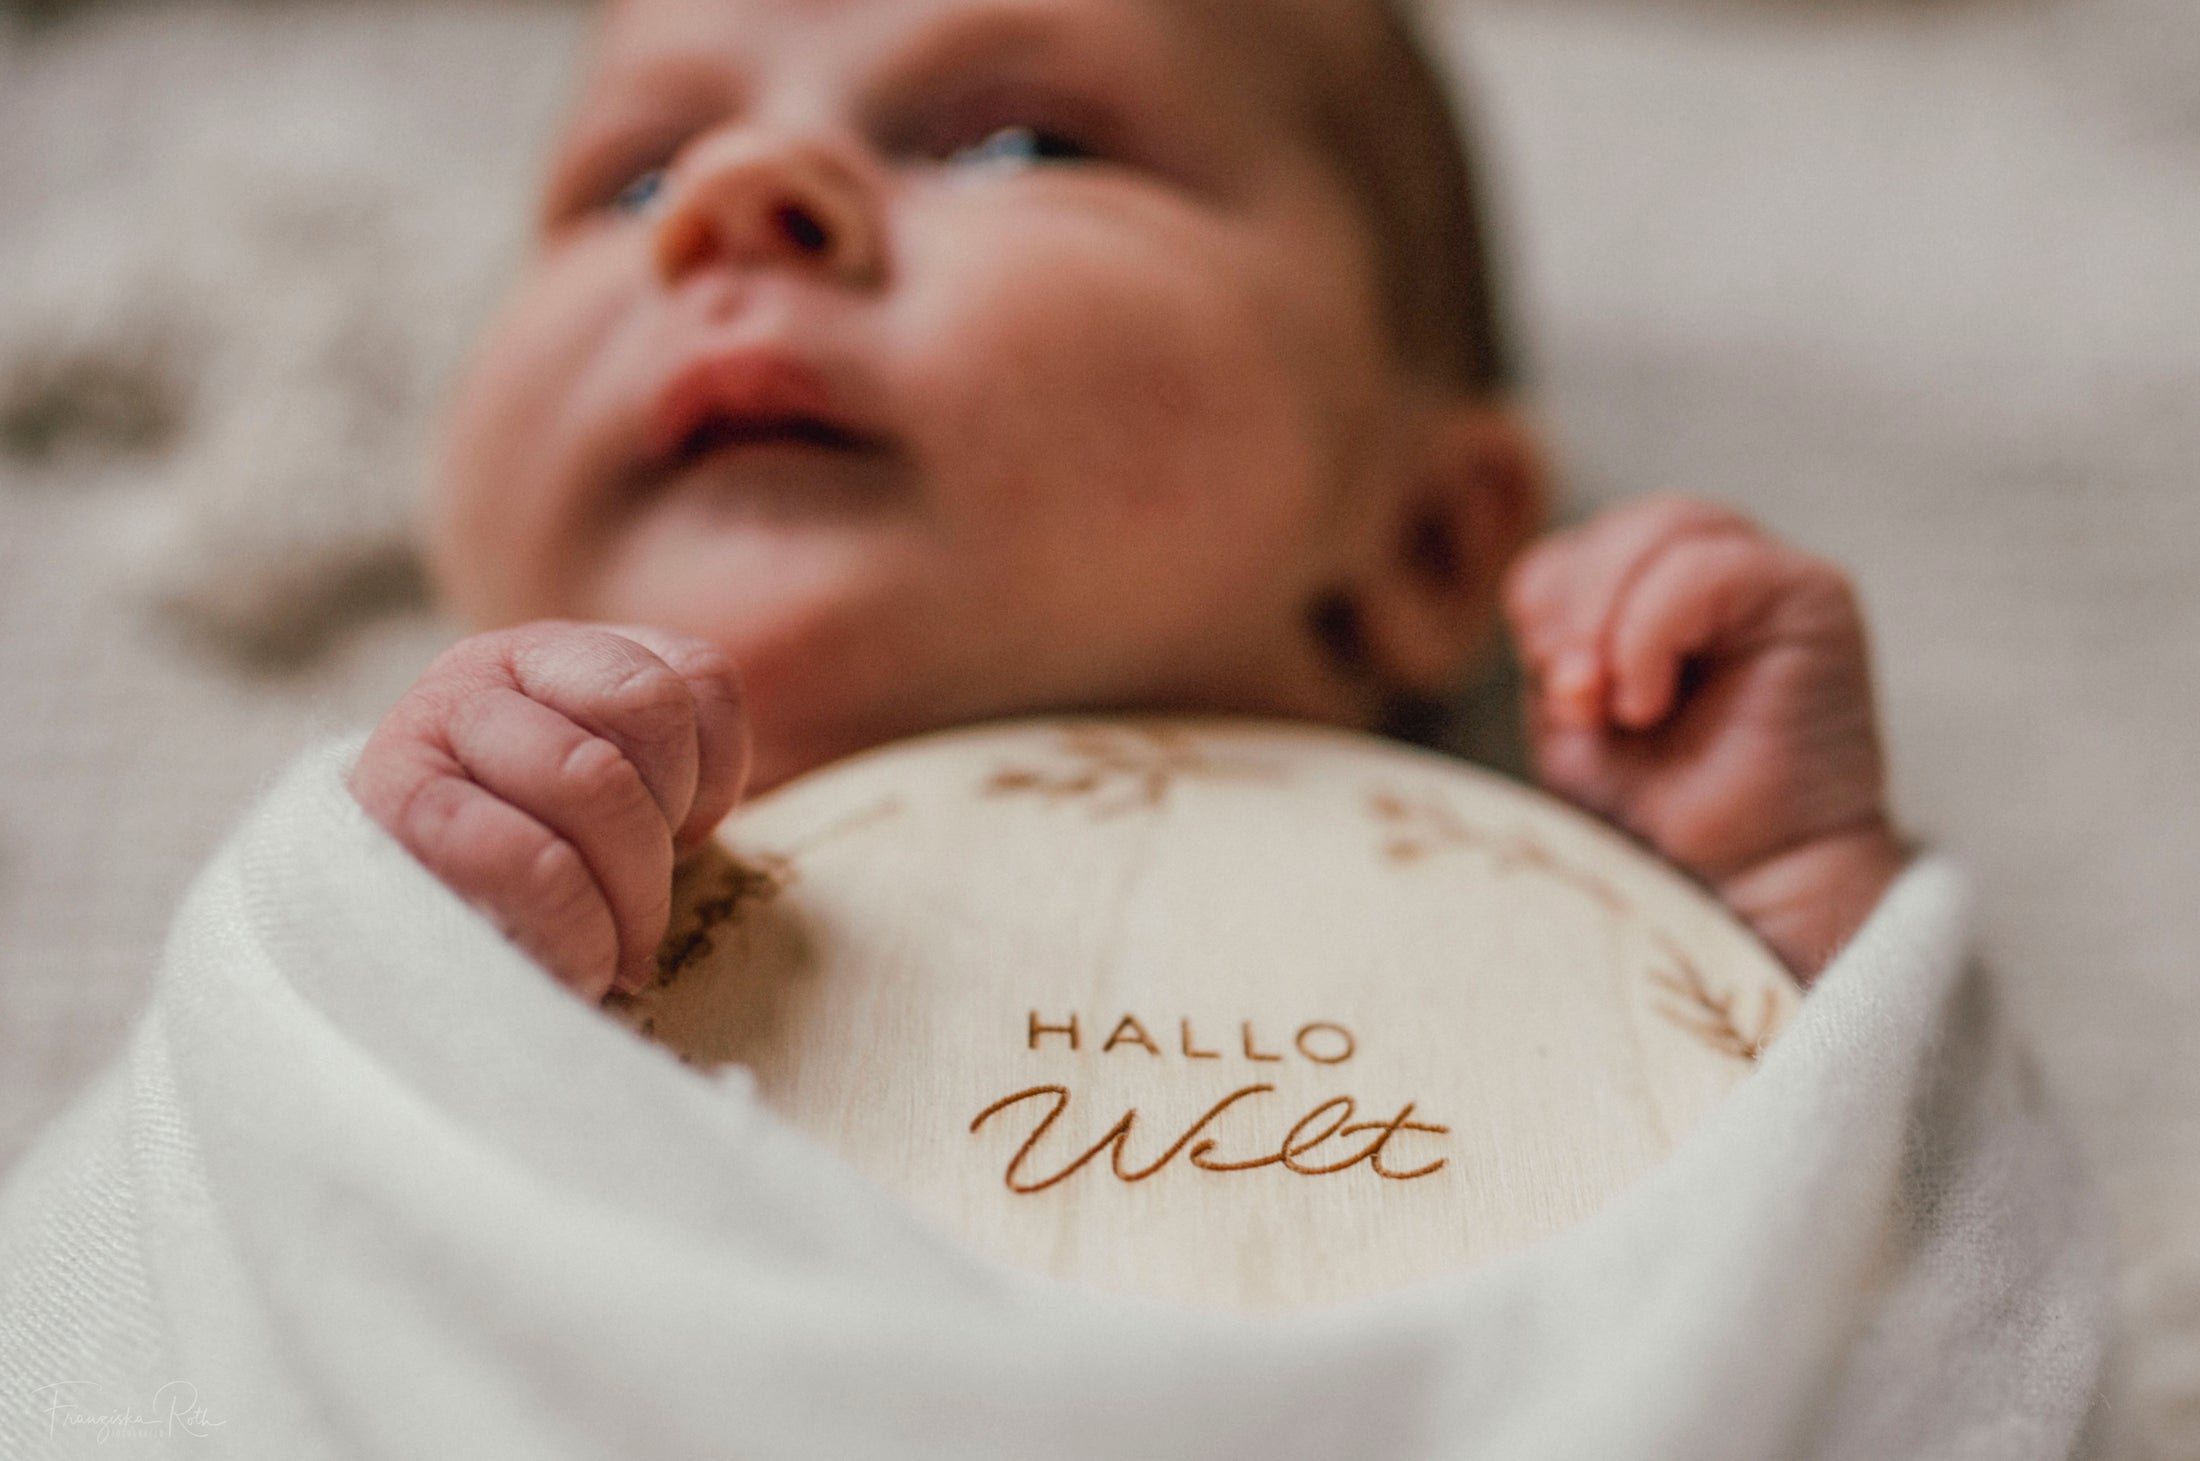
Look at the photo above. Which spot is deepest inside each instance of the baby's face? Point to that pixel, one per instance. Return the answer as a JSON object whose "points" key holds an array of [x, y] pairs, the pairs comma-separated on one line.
{"points": [[940, 359]]}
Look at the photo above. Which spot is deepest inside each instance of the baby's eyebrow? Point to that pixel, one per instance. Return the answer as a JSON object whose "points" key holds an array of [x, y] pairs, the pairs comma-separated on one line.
{"points": [[1110, 62]]}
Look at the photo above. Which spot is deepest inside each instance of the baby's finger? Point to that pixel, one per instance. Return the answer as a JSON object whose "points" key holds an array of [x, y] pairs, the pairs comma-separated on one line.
{"points": [[531, 883], [1537, 595], [1688, 601], [1541, 605], [721, 726], [588, 792], [1563, 600], [1564, 585], [612, 687]]}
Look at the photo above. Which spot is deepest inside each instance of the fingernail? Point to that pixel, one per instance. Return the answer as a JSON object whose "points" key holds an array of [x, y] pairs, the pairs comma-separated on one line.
{"points": [[1574, 686]]}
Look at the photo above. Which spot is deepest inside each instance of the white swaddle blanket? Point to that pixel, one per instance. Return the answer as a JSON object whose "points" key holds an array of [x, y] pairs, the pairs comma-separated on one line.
{"points": [[367, 1184]]}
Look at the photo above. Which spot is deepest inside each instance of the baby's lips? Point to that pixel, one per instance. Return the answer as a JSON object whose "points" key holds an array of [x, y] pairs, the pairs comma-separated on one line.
{"points": [[754, 389]]}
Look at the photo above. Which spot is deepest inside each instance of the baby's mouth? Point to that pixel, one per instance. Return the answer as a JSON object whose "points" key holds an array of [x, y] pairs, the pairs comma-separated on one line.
{"points": [[716, 434], [759, 427]]}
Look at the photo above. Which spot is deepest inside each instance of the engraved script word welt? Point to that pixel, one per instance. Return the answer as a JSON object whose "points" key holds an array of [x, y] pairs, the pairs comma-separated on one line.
{"points": [[1319, 1144], [1302, 1140]]}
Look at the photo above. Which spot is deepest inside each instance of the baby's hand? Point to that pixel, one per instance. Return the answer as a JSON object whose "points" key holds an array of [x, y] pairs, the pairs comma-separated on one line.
{"points": [[1708, 688], [550, 776]]}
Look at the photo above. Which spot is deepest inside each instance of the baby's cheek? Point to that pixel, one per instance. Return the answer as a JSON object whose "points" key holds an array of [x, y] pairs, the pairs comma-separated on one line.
{"points": [[515, 481], [1103, 397]]}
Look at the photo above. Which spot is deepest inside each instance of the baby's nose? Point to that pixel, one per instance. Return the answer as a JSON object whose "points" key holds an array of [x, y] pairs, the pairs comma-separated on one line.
{"points": [[747, 200]]}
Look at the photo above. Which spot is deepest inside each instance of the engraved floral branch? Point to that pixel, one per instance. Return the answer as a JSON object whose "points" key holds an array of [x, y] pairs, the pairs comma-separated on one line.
{"points": [[1117, 769], [1692, 1005], [1422, 827]]}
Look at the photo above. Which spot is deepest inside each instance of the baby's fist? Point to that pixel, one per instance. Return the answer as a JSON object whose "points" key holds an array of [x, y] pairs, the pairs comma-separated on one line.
{"points": [[1708, 688], [551, 775]]}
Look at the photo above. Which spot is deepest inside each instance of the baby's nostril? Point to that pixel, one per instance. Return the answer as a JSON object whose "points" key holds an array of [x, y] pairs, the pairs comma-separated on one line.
{"points": [[802, 229]]}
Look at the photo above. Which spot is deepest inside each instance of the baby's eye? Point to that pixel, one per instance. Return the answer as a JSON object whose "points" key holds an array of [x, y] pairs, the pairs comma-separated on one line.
{"points": [[637, 196], [1022, 147]]}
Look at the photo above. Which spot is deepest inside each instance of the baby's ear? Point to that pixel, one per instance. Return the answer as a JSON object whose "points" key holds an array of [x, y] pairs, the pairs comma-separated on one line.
{"points": [[1471, 498]]}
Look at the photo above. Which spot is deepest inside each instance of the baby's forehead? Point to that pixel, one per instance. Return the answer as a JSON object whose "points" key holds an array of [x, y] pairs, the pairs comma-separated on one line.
{"points": [[1294, 53]]}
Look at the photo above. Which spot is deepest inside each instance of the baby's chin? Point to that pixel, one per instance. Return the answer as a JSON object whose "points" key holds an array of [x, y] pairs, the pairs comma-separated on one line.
{"points": [[828, 636]]}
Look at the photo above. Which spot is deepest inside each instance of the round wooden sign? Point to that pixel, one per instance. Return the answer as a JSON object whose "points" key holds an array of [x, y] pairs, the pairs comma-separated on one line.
{"points": [[1234, 1014]]}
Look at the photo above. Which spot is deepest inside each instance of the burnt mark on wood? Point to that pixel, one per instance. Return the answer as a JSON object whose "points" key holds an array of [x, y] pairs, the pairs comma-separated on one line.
{"points": [[723, 889], [718, 889]]}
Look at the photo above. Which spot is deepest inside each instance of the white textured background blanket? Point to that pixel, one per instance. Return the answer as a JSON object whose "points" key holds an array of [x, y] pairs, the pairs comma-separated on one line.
{"points": [[1916, 282]]}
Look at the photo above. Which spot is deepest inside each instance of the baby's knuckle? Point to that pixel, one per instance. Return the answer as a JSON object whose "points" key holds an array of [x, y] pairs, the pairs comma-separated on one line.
{"points": [[426, 817], [597, 775], [699, 659], [558, 885], [478, 660], [521, 642], [649, 701], [462, 659], [471, 713]]}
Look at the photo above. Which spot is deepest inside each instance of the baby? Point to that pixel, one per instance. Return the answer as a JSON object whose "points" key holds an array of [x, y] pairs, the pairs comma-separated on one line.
{"points": [[885, 365]]}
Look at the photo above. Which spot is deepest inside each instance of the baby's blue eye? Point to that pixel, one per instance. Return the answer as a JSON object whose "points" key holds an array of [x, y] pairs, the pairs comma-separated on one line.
{"points": [[636, 196], [1022, 147]]}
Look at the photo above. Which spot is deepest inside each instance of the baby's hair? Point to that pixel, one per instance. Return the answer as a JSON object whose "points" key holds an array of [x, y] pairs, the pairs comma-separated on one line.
{"points": [[1402, 144]]}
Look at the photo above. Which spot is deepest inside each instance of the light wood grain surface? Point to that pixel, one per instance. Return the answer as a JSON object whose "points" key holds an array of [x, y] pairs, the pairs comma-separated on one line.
{"points": [[1227, 1013]]}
